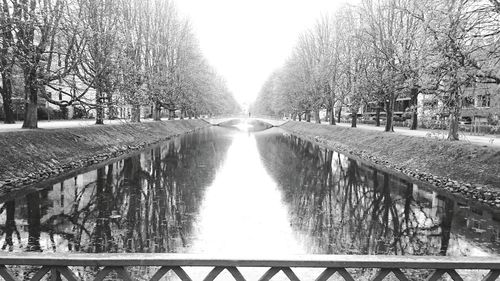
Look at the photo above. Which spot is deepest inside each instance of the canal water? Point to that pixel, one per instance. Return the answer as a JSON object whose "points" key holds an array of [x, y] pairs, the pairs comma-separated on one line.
{"points": [[239, 191]]}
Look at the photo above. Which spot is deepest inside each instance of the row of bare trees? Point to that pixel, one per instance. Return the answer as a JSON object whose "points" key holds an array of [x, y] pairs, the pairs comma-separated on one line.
{"points": [[100, 54], [380, 50]]}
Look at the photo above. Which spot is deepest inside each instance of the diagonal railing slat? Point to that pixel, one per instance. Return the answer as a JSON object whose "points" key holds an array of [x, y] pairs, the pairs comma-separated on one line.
{"points": [[181, 273], [40, 273], [454, 275], [67, 273], [103, 273], [346, 275], [436, 275], [290, 274], [6, 274], [399, 274], [326, 274], [123, 273], [236, 273], [214, 273], [381, 274], [492, 275], [160, 273], [269, 273]]}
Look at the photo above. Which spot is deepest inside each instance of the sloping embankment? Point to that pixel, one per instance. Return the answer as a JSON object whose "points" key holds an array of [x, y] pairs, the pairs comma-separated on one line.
{"points": [[34, 155], [461, 167]]}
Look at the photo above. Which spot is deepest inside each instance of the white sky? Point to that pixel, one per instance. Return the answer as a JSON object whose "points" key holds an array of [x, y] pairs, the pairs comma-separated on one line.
{"points": [[246, 40]]}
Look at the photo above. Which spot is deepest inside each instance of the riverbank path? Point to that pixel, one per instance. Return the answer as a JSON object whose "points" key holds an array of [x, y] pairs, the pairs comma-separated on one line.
{"points": [[483, 140], [59, 124]]}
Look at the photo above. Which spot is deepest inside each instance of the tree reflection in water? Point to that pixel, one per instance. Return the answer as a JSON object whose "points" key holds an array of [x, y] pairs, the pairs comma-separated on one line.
{"points": [[144, 203], [344, 206]]}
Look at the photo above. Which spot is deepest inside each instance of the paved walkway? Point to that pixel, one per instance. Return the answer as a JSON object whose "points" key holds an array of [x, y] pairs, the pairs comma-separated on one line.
{"points": [[484, 140], [56, 124]]}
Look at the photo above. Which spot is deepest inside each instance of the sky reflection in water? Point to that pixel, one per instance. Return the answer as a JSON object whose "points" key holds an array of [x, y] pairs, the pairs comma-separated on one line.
{"points": [[242, 210]]}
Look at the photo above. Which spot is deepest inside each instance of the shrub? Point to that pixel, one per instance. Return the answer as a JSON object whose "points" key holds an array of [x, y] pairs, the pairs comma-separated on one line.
{"points": [[79, 113], [43, 113]]}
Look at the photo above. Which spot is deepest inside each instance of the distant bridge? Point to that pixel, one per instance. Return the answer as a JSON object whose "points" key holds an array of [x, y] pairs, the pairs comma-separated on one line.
{"points": [[227, 119]]}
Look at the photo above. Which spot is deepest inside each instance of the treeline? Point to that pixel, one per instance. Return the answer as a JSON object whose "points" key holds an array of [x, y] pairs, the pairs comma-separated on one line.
{"points": [[99, 54], [379, 50]]}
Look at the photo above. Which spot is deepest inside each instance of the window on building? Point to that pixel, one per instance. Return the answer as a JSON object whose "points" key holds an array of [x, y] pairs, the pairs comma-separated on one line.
{"points": [[468, 102], [483, 100], [430, 103]]}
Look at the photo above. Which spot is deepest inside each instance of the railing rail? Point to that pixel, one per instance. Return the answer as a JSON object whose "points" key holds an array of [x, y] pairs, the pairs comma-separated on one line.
{"points": [[50, 265]]}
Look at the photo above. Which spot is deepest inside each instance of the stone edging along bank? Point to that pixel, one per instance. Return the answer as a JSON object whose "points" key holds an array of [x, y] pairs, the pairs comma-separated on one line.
{"points": [[31, 156], [461, 168]]}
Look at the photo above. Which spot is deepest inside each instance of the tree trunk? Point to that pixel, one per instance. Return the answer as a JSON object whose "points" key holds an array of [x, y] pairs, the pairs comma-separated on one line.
{"points": [[132, 170], [446, 225], [414, 106], [308, 116], [455, 112], [111, 106], [100, 238], [377, 116], [331, 114], [300, 117], [31, 96], [389, 113], [339, 114], [34, 222], [6, 62], [354, 119], [99, 116], [6, 91], [316, 116], [156, 112], [10, 225], [136, 113]]}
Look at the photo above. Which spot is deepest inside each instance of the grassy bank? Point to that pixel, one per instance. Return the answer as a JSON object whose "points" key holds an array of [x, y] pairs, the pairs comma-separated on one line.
{"points": [[458, 167], [34, 155]]}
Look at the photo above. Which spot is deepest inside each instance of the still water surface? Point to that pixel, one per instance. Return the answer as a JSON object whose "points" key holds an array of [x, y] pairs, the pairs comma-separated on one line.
{"points": [[231, 191]]}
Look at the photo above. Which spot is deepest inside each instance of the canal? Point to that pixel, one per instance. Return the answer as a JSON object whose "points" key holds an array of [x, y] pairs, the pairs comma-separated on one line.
{"points": [[238, 191]]}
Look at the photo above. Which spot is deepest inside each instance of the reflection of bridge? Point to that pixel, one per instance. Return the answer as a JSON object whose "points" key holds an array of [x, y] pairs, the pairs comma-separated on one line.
{"points": [[266, 120], [320, 267]]}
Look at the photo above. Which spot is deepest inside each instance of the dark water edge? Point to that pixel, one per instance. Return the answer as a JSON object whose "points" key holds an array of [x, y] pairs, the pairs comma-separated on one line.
{"points": [[255, 190]]}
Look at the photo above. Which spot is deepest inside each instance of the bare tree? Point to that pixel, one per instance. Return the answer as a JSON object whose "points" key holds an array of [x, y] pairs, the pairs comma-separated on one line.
{"points": [[132, 56], [101, 19], [37, 29], [6, 59], [393, 34]]}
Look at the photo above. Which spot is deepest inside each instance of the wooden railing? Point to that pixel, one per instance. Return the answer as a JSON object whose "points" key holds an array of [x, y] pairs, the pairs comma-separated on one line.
{"points": [[58, 266]]}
